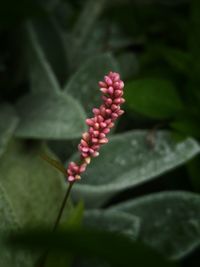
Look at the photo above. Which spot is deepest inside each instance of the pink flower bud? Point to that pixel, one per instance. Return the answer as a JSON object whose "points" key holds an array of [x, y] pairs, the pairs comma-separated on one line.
{"points": [[84, 143], [108, 101], [114, 107], [96, 111], [114, 116], [110, 90], [104, 90], [96, 126], [106, 130], [102, 84], [89, 122], [108, 80], [71, 178], [86, 136], [95, 154], [103, 141]]}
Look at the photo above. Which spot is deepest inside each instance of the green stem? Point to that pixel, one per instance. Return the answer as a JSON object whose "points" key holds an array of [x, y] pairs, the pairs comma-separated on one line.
{"points": [[44, 257]]}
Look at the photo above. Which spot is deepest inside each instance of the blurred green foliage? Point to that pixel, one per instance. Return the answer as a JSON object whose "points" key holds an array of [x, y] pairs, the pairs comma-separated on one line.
{"points": [[52, 55]]}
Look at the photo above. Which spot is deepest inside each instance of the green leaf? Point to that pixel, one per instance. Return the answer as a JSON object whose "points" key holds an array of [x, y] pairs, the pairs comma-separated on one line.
{"points": [[42, 78], [8, 123], [116, 249], [84, 83], [193, 171], [129, 65], [8, 222], [156, 98], [170, 221], [188, 126], [88, 17], [76, 216], [32, 194], [50, 38], [113, 221], [129, 160], [50, 117], [74, 220], [176, 58], [34, 189]]}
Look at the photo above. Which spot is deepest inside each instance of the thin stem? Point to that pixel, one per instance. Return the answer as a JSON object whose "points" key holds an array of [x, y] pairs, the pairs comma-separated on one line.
{"points": [[44, 257], [62, 207]]}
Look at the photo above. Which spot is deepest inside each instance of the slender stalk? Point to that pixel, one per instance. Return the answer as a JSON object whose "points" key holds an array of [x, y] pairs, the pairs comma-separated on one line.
{"points": [[44, 257], [62, 207]]}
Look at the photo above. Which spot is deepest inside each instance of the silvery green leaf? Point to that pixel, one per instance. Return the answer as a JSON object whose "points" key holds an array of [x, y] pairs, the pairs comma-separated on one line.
{"points": [[128, 160], [34, 189], [84, 83], [45, 116], [114, 221], [8, 123], [170, 221], [9, 223]]}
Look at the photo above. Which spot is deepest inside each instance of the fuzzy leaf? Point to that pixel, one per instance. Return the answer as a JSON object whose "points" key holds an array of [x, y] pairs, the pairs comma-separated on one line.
{"points": [[84, 83], [50, 117], [113, 221], [8, 222], [34, 189], [129, 160], [170, 221], [8, 123]]}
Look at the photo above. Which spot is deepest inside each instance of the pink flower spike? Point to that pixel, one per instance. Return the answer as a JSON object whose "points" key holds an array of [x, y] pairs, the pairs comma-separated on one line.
{"points": [[99, 126]]}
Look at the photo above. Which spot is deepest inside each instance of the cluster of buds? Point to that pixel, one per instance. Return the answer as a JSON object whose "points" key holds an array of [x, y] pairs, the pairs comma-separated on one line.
{"points": [[100, 124]]}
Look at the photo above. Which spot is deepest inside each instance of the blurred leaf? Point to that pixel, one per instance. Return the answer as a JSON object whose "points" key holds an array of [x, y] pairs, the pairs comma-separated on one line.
{"points": [[30, 194], [188, 126], [170, 221], [8, 222], [84, 83], [194, 40], [46, 116], [42, 78], [33, 188], [193, 170], [88, 17], [94, 243], [74, 220], [12, 12], [51, 41], [113, 221], [129, 65], [156, 98], [178, 59], [54, 163], [129, 160], [8, 123], [76, 216]]}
